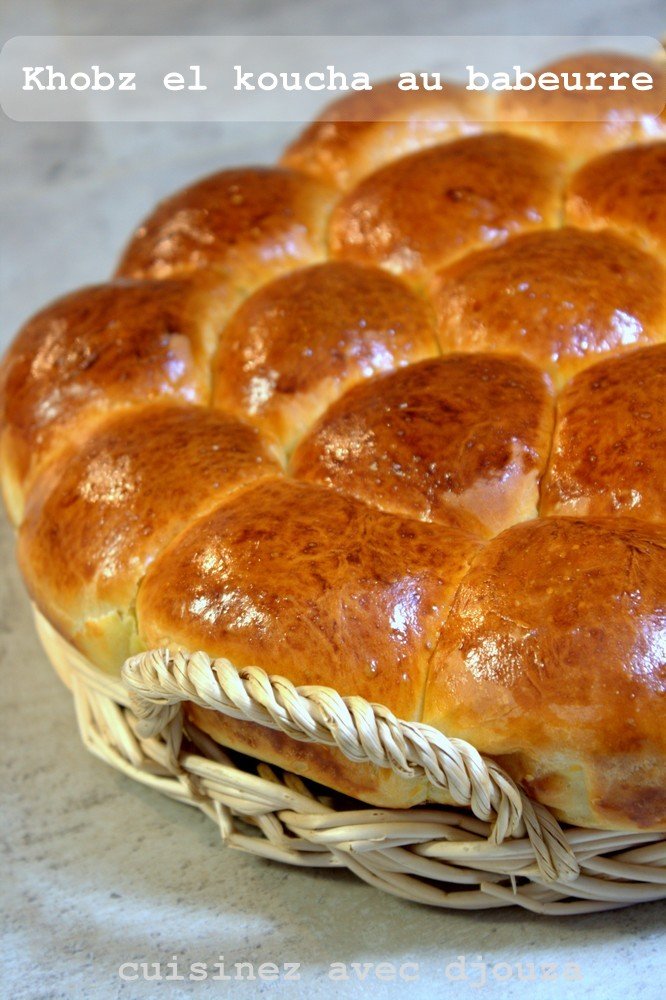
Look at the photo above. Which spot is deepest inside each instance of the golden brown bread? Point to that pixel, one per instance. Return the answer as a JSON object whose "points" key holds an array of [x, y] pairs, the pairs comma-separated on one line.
{"points": [[302, 339], [623, 190], [314, 584], [427, 209], [363, 130], [608, 118], [93, 351], [609, 447], [388, 418], [466, 434], [318, 587], [552, 660], [98, 516], [245, 224], [561, 297]]}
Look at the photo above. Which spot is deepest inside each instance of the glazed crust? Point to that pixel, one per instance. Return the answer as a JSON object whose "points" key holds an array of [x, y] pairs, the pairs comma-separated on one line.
{"points": [[387, 418], [464, 435], [552, 660], [306, 582], [429, 208], [609, 446], [97, 517], [96, 350], [360, 132], [609, 117], [625, 191], [246, 224], [560, 297], [301, 340]]}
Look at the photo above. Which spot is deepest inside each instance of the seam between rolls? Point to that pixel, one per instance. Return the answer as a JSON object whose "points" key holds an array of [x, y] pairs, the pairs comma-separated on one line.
{"points": [[200, 516], [471, 564], [546, 467]]}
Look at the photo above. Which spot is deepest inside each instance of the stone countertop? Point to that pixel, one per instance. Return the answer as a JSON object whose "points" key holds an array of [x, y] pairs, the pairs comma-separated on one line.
{"points": [[99, 871]]}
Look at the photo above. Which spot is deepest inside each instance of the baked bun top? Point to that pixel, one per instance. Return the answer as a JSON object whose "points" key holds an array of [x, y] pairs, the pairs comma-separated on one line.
{"points": [[606, 118], [608, 451], [553, 654], [624, 191], [99, 349], [296, 344], [245, 223], [388, 418], [428, 209], [363, 130], [462, 434], [562, 297], [312, 584], [99, 515]]}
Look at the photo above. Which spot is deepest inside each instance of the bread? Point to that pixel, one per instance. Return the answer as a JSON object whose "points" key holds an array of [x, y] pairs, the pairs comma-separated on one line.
{"points": [[600, 120], [426, 210], [561, 297], [497, 412], [99, 515], [387, 418], [363, 130], [296, 345], [558, 630]]}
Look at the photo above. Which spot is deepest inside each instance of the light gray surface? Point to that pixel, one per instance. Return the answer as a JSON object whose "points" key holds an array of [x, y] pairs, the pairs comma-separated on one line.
{"points": [[98, 871]]}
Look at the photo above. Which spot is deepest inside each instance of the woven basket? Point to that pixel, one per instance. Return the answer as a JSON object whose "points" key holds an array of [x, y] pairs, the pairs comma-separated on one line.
{"points": [[497, 849]]}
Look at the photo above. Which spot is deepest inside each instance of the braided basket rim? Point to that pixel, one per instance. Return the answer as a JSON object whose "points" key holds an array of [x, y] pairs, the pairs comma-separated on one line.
{"points": [[498, 850]]}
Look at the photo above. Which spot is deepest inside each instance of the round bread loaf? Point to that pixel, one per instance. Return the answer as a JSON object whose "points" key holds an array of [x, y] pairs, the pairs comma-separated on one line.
{"points": [[388, 418]]}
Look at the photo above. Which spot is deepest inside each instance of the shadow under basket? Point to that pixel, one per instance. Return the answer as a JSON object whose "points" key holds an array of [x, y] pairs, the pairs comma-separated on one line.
{"points": [[495, 848]]}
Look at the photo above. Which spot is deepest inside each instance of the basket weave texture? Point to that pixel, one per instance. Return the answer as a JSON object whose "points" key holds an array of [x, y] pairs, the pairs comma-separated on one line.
{"points": [[495, 849]]}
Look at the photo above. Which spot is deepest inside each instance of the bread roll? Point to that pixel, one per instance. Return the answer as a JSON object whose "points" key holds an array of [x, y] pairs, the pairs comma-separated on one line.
{"points": [[318, 587], [98, 516], [552, 660], [560, 297], [465, 435], [428, 209], [301, 340], [308, 582], [363, 130], [246, 224], [609, 447], [94, 351], [607, 116], [388, 418], [624, 191]]}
